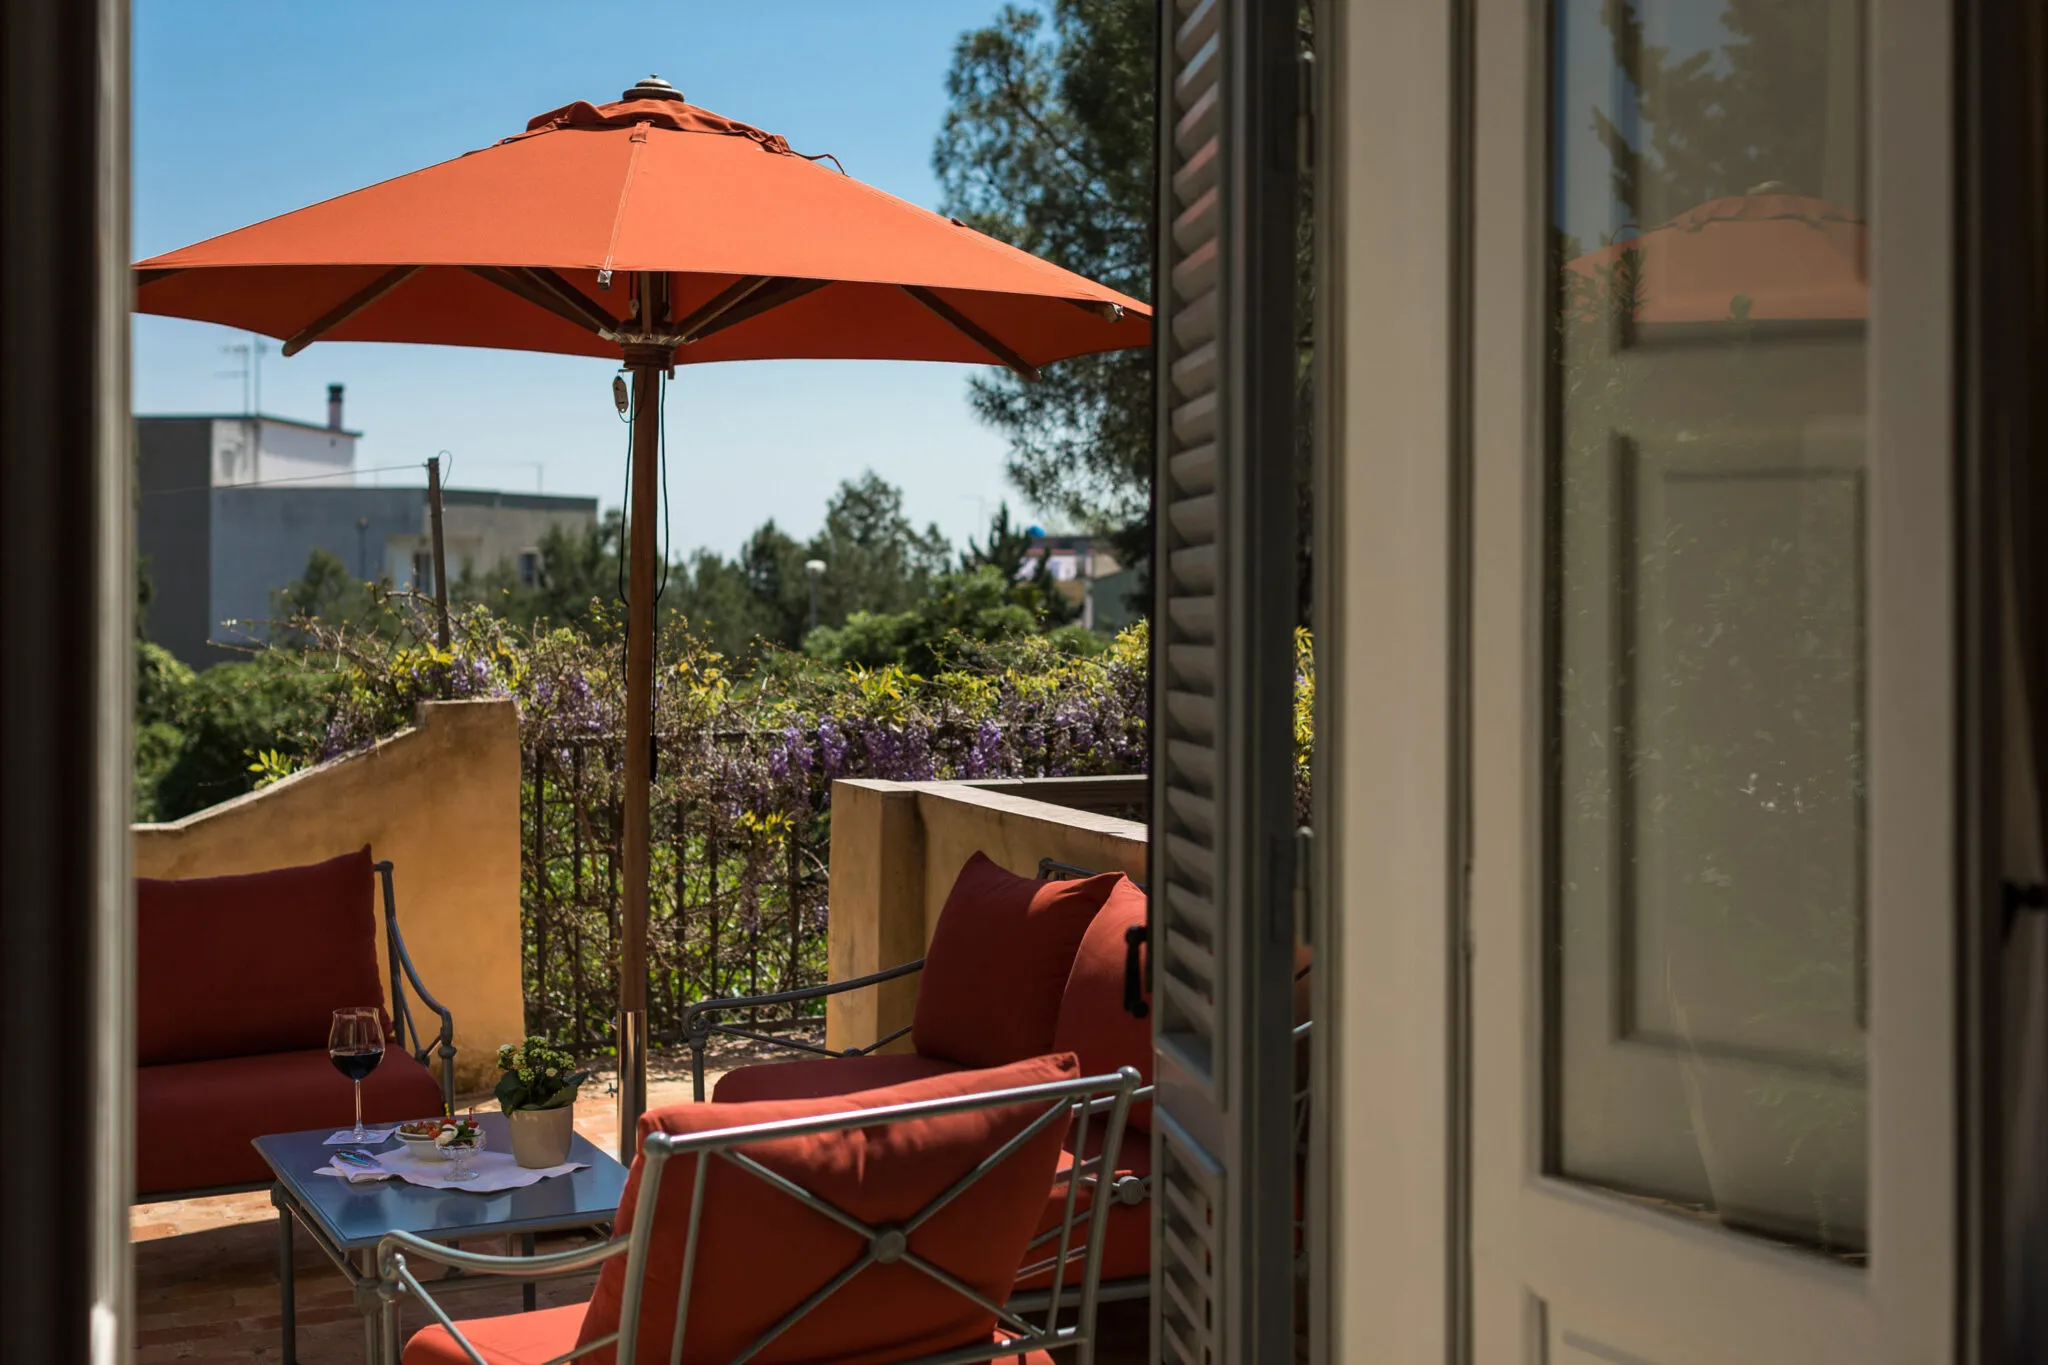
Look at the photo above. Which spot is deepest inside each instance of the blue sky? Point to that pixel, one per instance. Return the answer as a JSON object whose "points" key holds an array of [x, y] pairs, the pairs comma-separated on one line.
{"points": [[245, 109]]}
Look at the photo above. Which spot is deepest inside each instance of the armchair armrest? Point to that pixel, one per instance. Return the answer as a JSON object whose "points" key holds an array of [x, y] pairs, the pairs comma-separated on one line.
{"points": [[396, 1278], [401, 1012], [701, 1020]]}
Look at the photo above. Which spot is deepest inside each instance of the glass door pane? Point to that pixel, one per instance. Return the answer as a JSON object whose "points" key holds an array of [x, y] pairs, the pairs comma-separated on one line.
{"points": [[1707, 582]]}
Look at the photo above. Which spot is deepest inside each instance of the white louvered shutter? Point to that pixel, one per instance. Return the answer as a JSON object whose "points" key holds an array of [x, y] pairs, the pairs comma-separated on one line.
{"points": [[1224, 584]]}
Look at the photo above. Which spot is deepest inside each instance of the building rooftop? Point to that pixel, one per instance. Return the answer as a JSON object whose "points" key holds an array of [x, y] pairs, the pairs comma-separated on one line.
{"points": [[242, 417]]}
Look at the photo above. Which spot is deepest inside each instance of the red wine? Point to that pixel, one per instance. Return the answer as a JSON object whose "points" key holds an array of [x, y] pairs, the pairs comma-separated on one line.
{"points": [[358, 1063]]}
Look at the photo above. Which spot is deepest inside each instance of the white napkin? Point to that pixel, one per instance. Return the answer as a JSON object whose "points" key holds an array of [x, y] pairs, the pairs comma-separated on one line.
{"points": [[494, 1171], [371, 1137]]}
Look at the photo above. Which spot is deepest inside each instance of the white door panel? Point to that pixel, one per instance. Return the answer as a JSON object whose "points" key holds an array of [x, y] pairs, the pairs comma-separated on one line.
{"points": [[1713, 636]]}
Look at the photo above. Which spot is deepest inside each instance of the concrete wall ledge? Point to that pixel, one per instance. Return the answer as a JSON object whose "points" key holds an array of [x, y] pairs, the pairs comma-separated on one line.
{"points": [[896, 848], [441, 801]]}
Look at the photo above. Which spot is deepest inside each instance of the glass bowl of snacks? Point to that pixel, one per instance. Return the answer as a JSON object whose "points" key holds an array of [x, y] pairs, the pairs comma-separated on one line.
{"points": [[418, 1137]]}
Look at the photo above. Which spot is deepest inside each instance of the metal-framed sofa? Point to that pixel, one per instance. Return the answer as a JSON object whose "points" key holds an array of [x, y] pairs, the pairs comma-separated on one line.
{"points": [[1016, 966], [887, 1225], [237, 979]]}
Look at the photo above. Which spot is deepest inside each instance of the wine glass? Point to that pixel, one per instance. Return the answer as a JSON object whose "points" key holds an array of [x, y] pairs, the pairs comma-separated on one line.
{"points": [[355, 1044]]}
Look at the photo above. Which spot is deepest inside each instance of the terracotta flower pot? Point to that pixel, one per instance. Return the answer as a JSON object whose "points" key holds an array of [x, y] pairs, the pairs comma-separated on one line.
{"points": [[540, 1137]]}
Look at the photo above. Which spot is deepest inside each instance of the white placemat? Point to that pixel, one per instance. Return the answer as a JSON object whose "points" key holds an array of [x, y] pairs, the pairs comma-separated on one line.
{"points": [[494, 1171]]}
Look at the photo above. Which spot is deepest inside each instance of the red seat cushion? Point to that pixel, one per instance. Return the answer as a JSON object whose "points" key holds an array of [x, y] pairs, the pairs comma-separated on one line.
{"points": [[998, 963], [769, 1253], [814, 1077], [235, 966], [1127, 1240], [514, 1339], [1093, 1023], [194, 1120]]}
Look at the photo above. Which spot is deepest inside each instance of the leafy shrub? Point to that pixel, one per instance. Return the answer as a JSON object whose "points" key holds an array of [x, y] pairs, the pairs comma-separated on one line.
{"points": [[233, 712]]}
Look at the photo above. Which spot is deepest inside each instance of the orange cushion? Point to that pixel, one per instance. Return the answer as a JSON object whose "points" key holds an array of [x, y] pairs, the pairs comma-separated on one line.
{"points": [[768, 1253], [194, 1120], [232, 966], [514, 1339], [998, 963], [813, 1077], [1093, 1023]]}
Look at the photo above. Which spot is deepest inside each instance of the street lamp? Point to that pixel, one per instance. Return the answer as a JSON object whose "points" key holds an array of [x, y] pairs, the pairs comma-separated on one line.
{"points": [[814, 569]]}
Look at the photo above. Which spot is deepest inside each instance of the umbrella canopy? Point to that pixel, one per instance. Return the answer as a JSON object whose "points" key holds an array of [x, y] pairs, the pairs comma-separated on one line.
{"points": [[1791, 257], [525, 245], [662, 234]]}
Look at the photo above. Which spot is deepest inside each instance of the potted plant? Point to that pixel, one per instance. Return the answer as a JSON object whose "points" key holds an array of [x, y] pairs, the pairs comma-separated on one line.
{"points": [[538, 1094]]}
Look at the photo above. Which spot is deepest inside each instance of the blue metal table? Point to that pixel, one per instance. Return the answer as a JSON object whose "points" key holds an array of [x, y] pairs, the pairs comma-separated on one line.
{"points": [[348, 1220]]}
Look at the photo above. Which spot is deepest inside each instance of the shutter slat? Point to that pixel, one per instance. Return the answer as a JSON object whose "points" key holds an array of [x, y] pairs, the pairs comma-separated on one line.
{"points": [[1191, 666], [1194, 908], [1195, 420], [1193, 470], [1193, 617], [1195, 372], [1195, 814], [1196, 761], [1196, 322], [1192, 713], [1194, 520], [1199, 173]]}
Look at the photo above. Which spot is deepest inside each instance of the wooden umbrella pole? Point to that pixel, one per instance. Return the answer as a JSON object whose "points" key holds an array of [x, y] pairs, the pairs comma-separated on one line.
{"points": [[642, 531]]}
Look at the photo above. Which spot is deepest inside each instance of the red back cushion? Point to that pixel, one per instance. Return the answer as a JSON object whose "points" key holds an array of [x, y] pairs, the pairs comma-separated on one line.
{"points": [[998, 963], [1093, 1023], [235, 966], [761, 1253]]}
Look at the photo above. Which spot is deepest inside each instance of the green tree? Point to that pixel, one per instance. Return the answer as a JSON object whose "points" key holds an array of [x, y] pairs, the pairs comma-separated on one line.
{"points": [[875, 559], [1048, 145], [1005, 550], [326, 591]]}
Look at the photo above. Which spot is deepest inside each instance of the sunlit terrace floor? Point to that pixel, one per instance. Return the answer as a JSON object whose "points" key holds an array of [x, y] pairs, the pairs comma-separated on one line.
{"points": [[206, 1269]]}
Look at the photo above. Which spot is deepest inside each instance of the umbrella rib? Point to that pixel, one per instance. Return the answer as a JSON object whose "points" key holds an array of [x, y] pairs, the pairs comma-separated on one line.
{"points": [[535, 294], [348, 308], [771, 295], [147, 277], [734, 294], [569, 294], [972, 330]]}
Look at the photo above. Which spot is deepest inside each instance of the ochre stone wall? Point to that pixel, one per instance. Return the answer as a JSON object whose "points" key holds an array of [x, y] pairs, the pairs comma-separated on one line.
{"points": [[896, 847], [441, 801]]}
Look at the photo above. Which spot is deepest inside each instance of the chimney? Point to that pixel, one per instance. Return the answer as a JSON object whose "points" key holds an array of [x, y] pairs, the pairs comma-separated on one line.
{"points": [[334, 407]]}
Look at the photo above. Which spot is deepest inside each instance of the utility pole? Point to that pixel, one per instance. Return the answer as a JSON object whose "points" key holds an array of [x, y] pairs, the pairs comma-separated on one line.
{"points": [[440, 554]]}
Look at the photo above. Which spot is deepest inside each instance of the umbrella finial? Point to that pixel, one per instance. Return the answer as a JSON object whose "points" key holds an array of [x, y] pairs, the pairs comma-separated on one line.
{"points": [[653, 88]]}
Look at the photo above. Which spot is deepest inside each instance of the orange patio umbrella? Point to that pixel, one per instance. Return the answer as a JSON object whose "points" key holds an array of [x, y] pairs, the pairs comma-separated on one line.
{"points": [[663, 234]]}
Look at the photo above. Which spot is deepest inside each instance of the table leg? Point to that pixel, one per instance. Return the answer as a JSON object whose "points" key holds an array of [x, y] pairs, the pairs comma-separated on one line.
{"points": [[529, 1291], [287, 1305], [373, 1317]]}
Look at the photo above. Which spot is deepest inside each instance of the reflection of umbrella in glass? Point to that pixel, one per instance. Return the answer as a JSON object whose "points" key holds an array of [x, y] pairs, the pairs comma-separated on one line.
{"points": [[663, 234], [1788, 257]]}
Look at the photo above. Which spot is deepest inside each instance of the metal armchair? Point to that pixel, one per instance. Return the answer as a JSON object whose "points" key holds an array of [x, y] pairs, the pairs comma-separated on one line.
{"points": [[402, 1021], [1077, 1104]]}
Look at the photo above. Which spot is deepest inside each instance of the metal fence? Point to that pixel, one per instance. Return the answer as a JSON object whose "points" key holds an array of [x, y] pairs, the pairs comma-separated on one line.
{"points": [[737, 897]]}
